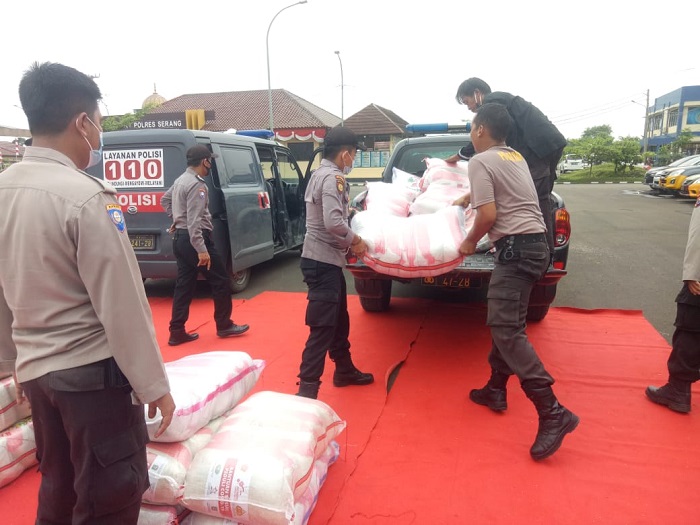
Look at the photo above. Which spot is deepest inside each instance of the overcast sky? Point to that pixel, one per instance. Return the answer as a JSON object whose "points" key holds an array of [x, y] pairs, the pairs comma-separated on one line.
{"points": [[582, 63]]}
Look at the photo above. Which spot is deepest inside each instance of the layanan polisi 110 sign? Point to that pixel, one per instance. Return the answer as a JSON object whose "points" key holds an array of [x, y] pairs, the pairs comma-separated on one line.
{"points": [[134, 168]]}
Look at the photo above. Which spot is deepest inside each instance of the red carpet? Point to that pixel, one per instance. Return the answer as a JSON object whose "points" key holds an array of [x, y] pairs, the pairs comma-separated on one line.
{"points": [[427, 455]]}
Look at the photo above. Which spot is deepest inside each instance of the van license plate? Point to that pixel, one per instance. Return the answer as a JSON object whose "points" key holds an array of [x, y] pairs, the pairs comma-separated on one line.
{"points": [[143, 242]]}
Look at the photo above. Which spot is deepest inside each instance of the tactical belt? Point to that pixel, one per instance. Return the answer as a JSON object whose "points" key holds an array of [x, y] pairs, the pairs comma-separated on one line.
{"points": [[519, 239]]}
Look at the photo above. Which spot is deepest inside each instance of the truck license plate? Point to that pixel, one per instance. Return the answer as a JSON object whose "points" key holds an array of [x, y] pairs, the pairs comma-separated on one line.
{"points": [[143, 242], [449, 281]]}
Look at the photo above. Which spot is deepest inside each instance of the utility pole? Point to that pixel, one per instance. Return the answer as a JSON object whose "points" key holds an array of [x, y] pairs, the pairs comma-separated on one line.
{"points": [[645, 142]]}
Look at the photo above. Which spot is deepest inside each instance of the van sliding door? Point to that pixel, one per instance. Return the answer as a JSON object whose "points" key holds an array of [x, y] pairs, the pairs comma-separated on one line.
{"points": [[247, 206]]}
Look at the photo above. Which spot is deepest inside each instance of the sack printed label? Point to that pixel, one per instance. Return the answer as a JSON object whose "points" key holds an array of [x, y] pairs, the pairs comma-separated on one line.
{"points": [[134, 168], [155, 472], [115, 213], [227, 489]]}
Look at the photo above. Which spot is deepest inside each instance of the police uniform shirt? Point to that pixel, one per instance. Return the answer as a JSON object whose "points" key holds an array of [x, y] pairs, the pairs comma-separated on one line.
{"points": [[70, 287], [327, 197], [691, 261], [187, 202], [500, 175]]}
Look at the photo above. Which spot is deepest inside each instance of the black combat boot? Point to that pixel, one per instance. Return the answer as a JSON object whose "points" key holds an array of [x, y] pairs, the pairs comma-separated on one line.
{"points": [[180, 337], [308, 389], [346, 374], [555, 421], [675, 395], [493, 395]]}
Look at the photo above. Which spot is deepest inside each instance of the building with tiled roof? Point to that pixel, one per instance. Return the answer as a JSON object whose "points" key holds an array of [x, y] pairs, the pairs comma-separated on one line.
{"points": [[378, 127], [297, 122], [10, 152]]}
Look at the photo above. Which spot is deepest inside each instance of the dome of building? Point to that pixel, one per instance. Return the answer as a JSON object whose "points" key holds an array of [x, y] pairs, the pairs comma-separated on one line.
{"points": [[153, 100]]}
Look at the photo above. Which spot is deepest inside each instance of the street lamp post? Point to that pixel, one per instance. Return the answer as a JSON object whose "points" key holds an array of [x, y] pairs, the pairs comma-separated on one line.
{"points": [[646, 126], [267, 49], [645, 139], [342, 96]]}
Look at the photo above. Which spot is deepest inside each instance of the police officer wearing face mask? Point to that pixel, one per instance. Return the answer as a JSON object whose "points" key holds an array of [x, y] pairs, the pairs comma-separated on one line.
{"points": [[75, 324], [187, 202], [328, 239]]}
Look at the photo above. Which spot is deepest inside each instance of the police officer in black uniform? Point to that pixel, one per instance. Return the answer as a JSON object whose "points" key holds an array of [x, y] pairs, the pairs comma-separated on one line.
{"points": [[328, 239], [533, 135], [187, 202], [684, 362]]}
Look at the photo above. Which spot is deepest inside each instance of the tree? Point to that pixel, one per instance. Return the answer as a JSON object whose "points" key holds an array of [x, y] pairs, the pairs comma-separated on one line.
{"points": [[603, 131], [118, 122], [625, 153], [680, 145]]}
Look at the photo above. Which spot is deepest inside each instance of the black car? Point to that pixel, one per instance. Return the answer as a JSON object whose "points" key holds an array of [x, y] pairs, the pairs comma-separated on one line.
{"points": [[475, 271]]}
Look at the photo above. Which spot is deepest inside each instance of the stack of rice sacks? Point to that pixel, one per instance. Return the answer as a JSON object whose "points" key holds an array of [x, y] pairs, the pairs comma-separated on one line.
{"points": [[265, 464], [204, 387], [410, 226], [17, 443]]}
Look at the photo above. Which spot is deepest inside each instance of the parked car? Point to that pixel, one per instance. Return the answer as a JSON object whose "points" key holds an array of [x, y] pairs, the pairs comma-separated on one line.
{"points": [[694, 189], [255, 196], [570, 162], [649, 178], [688, 182], [673, 181], [655, 183], [374, 288]]}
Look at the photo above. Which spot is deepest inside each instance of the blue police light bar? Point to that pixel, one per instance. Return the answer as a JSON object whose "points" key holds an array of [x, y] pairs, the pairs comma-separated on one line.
{"points": [[257, 133], [442, 127]]}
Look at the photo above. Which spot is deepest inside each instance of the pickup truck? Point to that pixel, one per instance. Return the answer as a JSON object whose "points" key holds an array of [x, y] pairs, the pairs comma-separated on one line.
{"points": [[374, 288]]}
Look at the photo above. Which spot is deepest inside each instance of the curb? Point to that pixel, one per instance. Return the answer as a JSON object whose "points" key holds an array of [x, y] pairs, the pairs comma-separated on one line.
{"points": [[607, 182], [555, 182]]}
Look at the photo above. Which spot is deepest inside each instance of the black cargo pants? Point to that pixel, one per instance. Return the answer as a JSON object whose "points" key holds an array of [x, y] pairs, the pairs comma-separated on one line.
{"points": [[186, 284], [91, 446], [544, 173], [517, 268], [326, 316], [684, 361]]}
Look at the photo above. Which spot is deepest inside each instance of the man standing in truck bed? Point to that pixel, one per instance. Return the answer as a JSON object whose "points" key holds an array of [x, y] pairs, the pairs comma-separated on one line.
{"points": [[504, 196], [532, 135]]}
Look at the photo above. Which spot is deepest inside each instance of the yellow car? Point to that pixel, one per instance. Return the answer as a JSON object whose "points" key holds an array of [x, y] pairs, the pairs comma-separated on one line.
{"points": [[694, 189], [689, 181], [672, 182]]}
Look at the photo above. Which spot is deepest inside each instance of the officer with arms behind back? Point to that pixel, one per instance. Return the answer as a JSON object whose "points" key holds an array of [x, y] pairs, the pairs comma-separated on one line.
{"points": [[684, 362], [504, 196], [187, 202], [328, 239], [75, 324]]}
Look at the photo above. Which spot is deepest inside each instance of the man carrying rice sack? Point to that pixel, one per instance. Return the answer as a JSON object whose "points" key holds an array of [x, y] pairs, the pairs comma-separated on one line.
{"points": [[504, 196]]}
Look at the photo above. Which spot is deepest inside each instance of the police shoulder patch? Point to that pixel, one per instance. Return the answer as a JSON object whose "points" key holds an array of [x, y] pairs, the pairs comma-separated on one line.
{"points": [[202, 192], [340, 183], [697, 203], [116, 215]]}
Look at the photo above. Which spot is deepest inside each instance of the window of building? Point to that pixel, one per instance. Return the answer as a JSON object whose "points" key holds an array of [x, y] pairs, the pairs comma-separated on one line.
{"points": [[673, 118]]}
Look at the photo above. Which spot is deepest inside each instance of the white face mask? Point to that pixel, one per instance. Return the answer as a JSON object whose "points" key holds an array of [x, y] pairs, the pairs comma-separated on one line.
{"points": [[347, 169], [95, 154]]}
